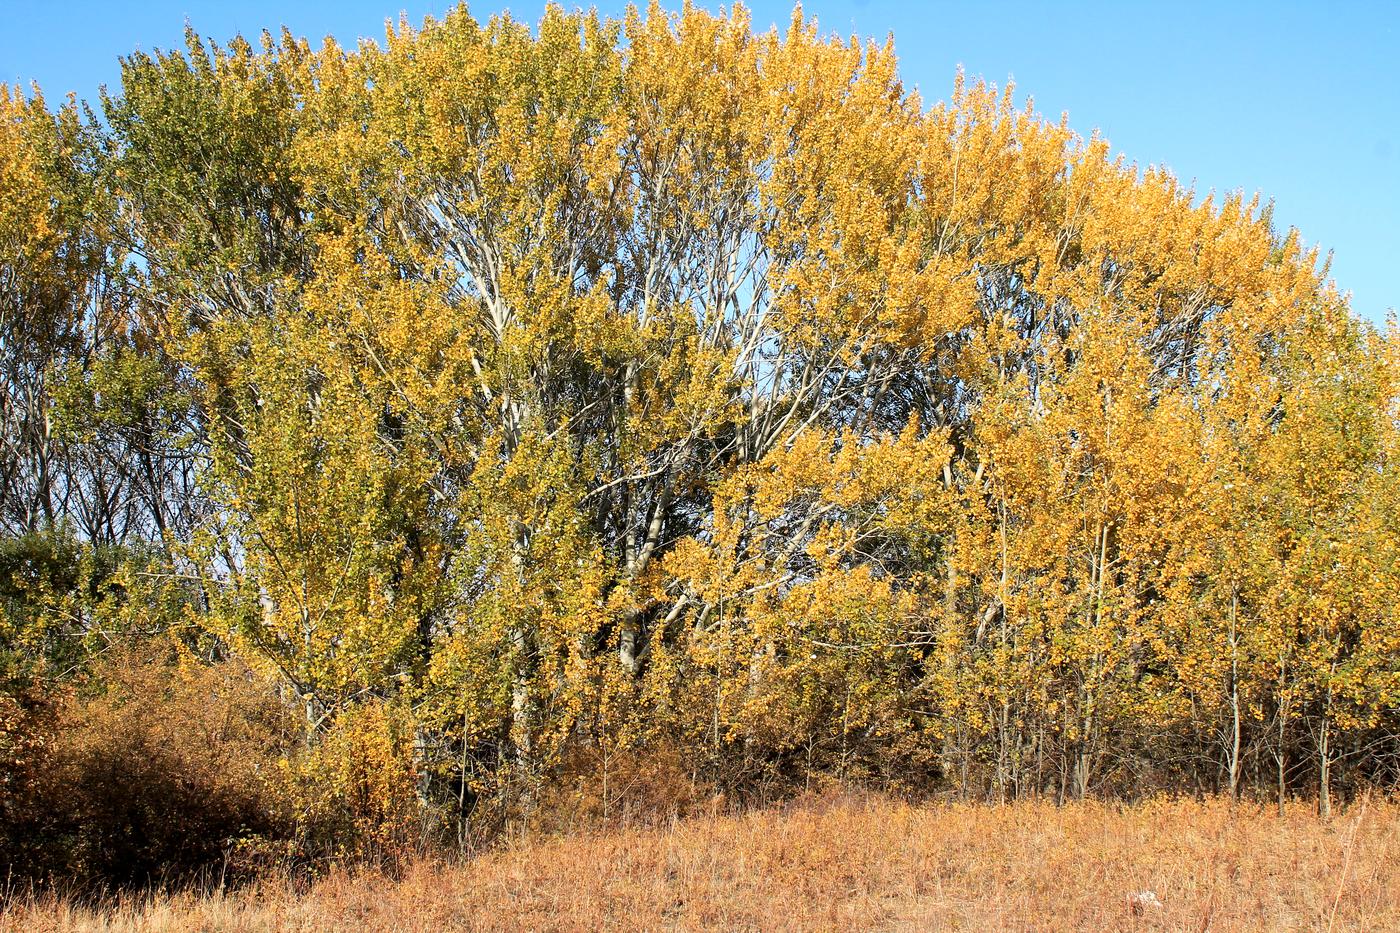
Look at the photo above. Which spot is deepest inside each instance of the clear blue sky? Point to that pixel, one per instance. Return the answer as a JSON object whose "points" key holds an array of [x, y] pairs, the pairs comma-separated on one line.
{"points": [[1300, 101]]}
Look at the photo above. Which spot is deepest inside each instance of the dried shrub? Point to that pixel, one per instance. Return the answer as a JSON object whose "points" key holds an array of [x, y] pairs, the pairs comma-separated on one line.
{"points": [[27, 737], [161, 772], [644, 786]]}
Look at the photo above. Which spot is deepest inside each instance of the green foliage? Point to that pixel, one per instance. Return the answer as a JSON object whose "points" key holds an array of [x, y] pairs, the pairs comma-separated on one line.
{"points": [[63, 602]]}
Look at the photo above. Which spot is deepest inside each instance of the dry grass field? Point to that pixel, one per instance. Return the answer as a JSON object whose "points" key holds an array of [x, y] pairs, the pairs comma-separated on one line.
{"points": [[854, 864]]}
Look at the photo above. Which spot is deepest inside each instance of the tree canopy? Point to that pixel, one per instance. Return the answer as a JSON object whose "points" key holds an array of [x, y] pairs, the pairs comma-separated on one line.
{"points": [[516, 394]]}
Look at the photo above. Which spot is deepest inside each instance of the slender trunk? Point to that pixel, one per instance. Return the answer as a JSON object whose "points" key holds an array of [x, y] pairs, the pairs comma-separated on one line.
{"points": [[845, 733], [422, 783], [520, 696], [1324, 757], [1084, 750], [953, 637], [462, 822], [1324, 770], [1003, 741], [1004, 723], [1234, 699], [1083, 762], [522, 676]]}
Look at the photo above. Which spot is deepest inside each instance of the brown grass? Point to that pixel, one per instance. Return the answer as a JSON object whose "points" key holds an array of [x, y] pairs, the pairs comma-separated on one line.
{"points": [[855, 864]]}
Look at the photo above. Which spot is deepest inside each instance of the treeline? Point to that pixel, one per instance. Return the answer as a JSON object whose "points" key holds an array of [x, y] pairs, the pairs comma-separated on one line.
{"points": [[492, 421]]}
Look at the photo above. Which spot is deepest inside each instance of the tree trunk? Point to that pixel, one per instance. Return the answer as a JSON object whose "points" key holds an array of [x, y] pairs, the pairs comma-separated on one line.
{"points": [[1234, 699], [1324, 769]]}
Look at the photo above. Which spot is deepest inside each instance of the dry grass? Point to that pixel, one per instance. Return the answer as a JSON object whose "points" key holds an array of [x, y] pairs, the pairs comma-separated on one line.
{"points": [[862, 864]]}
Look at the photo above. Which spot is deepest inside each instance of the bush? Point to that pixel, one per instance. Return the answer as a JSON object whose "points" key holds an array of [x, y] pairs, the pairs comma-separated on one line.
{"points": [[165, 771], [597, 786], [355, 793], [27, 732]]}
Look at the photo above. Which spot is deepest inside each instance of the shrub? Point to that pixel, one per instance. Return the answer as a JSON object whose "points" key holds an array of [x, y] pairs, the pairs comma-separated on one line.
{"points": [[355, 792], [161, 771]]}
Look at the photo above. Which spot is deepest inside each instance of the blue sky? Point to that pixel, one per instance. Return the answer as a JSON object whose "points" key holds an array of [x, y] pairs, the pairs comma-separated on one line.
{"points": [[1298, 101]]}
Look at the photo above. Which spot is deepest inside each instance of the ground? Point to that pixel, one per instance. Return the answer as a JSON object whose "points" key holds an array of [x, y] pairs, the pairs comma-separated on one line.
{"points": [[855, 864]]}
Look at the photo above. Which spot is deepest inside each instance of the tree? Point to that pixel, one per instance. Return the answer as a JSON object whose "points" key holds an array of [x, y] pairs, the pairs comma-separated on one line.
{"points": [[501, 392]]}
